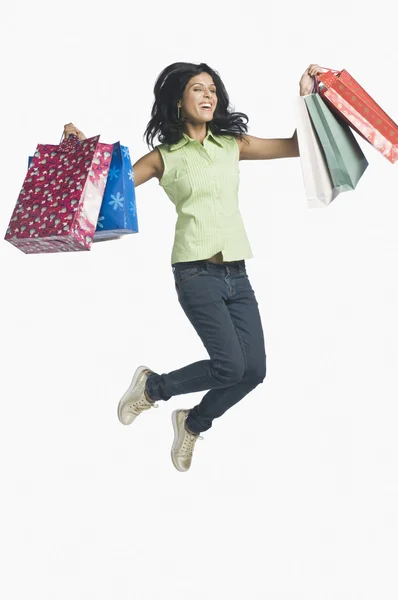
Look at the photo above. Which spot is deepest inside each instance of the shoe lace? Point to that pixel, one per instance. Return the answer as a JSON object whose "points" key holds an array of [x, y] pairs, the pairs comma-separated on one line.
{"points": [[140, 405], [188, 443]]}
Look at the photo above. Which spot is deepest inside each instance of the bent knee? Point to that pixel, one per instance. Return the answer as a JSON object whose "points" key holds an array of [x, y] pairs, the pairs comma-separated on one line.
{"points": [[256, 373], [229, 373]]}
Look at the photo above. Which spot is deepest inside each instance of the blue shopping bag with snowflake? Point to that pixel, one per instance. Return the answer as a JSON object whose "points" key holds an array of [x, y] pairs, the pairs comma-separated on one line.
{"points": [[118, 214]]}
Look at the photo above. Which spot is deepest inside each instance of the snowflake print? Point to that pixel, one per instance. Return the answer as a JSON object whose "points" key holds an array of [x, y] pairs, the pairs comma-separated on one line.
{"points": [[99, 224], [113, 173], [131, 175], [117, 201], [132, 208], [126, 152]]}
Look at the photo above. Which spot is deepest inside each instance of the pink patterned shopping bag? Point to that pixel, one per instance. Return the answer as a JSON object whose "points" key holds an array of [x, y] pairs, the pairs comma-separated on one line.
{"points": [[59, 203]]}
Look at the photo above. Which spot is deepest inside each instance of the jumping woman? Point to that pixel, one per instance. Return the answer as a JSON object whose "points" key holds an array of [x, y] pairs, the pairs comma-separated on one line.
{"points": [[197, 164]]}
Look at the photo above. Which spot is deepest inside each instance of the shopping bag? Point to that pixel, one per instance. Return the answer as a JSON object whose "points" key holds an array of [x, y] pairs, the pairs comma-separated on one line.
{"points": [[118, 214], [317, 180], [345, 160], [59, 204], [345, 96]]}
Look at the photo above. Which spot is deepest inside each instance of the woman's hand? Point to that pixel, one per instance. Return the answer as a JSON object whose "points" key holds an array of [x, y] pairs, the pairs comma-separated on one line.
{"points": [[307, 83], [71, 129]]}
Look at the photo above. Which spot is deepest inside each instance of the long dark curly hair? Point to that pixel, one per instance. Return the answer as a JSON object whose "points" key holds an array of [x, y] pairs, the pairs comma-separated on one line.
{"points": [[168, 90]]}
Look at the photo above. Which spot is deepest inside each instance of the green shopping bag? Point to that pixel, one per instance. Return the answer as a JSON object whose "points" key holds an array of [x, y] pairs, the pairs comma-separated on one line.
{"points": [[345, 160]]}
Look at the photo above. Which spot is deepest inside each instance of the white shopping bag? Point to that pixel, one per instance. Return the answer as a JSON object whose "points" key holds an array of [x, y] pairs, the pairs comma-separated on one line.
{"points": [[317, 181]]}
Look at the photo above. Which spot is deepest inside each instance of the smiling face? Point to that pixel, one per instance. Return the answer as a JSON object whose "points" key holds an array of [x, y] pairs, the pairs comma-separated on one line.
{"points": [[199, 100]]}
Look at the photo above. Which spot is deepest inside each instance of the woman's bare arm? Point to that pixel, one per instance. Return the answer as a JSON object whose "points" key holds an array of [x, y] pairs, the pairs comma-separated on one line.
{"points": [[263, 148], [148, 166]]}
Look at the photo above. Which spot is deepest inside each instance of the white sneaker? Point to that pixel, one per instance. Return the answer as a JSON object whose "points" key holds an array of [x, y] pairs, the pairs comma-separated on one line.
{"points": [[134, 401], [184, 441]]}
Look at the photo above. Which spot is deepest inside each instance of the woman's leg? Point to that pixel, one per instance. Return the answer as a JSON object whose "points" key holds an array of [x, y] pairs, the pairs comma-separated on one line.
{"points": [[220, 303], [244, 313]]}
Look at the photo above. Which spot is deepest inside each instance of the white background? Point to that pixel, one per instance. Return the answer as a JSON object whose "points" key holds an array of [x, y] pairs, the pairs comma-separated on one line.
{"points": [[293, 494]]}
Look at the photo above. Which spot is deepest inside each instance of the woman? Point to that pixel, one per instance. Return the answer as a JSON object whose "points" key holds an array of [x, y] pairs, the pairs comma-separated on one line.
{"points": [[197, 164]]}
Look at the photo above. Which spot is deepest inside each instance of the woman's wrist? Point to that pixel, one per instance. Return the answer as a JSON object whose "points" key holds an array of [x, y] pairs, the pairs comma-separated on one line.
{"points": [[304, 91]]}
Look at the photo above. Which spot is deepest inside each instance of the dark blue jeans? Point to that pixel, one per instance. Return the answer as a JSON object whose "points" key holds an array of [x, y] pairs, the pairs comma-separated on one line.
{"points": [[220, 303]]}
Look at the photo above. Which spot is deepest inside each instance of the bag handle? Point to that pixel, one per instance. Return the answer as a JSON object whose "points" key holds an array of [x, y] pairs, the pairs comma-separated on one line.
{"points": [[73, 137], [69, 143], [335, 71]]}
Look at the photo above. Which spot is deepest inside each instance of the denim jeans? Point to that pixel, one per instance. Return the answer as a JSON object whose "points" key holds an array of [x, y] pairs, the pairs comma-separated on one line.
{"points": [[221, 305]]}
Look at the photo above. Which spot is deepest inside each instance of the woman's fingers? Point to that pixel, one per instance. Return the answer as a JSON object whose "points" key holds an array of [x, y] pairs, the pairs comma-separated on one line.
{"points": [[316, 69], [312, 70], [80, 135], [71, 129]]}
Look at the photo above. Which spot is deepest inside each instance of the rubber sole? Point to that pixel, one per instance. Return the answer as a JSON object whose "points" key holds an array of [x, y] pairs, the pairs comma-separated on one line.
{"points": [[175, 427], [138, 372]]}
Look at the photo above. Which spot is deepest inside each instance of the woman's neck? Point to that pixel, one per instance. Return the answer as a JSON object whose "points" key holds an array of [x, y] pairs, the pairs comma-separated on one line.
{"points": [[196, 131]]}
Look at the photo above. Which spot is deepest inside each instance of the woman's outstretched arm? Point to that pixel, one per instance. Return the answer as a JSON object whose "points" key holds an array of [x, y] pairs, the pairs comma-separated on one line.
{"points": [[148, 166], [254, 148]]}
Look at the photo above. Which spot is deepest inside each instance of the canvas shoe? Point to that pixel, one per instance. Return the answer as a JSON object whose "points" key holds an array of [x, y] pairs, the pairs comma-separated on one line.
{"points": [[184, 441], [134, 401]]}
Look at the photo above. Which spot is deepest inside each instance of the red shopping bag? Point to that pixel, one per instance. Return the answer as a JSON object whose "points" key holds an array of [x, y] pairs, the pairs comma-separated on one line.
{"points": [[346, 97], [59, 203]]}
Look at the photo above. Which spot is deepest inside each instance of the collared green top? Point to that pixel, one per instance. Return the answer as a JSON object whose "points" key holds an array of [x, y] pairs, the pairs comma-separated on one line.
{"points": [[202, 181]]}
